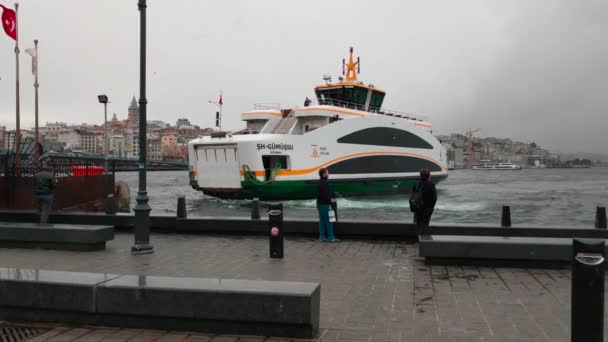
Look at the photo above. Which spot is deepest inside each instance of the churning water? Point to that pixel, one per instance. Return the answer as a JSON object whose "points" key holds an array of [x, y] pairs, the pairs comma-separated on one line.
{"points": [[536, 196]]}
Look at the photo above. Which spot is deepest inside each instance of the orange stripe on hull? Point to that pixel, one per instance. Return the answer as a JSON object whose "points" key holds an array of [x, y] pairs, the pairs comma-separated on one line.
{"points": [[316, 168]]}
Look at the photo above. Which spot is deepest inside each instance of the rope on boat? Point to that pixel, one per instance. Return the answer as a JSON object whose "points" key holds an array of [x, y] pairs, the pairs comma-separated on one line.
{"points": [[251, 177]]}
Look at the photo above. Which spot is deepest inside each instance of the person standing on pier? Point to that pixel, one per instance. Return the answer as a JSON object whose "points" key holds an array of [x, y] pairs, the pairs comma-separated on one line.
{"points": [[424, 201], [323, 206], [44, 188]]}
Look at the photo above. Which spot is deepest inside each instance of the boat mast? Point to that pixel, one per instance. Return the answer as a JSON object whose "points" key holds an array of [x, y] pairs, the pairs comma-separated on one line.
{"points": [[351, 72]]}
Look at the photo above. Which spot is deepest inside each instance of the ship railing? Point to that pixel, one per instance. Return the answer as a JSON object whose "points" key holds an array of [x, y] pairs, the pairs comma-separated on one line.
{"points": [[356, 106], [267, 106]]}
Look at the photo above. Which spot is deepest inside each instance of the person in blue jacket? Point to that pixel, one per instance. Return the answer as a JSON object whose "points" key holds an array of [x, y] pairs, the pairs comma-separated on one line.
{"points": [[323, 206]]}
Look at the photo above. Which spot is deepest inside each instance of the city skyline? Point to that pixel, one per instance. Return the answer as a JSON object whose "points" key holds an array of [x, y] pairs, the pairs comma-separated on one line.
{"points": [[531, 72]]}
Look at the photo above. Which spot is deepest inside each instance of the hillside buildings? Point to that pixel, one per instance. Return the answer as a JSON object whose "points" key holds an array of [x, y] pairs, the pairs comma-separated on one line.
{"points": [[164, 141]]}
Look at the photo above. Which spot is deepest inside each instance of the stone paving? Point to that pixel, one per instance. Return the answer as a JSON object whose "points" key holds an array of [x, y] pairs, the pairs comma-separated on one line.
{"points": [[370, 290]]}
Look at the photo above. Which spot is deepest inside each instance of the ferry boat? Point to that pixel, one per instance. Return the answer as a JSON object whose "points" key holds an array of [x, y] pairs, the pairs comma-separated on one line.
{"points": [[368, 150], [497, 166]]}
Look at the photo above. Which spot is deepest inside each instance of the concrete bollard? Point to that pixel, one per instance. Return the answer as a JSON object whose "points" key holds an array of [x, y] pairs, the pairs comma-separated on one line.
{"points": [[275, 227], [600, 217], [255, 209], [505, 220], [587, 311], [181, 207], [334, 207], [110, 205]]}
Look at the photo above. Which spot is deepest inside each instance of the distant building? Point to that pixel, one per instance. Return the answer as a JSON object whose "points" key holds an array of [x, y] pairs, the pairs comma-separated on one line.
{"points": [[133, 116], [117, 146], [182, 122], [88, 141], [70, 139], [154, 149], [3, 136], [170, 147]]}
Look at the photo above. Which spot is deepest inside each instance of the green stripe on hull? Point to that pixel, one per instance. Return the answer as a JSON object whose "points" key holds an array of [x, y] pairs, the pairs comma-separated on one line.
{"points": [[291, 190]]}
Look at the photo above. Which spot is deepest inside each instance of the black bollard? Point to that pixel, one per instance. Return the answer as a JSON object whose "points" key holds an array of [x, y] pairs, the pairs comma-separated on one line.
{"points": [[181, 207], [587, 311], [505, 221], [334, 207], [255, 209], [275, 227], [600, 217], [110, 205]]}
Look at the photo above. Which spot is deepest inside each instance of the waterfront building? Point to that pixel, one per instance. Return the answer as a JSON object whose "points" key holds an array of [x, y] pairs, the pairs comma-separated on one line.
{"points": [[117, 146], [154, 149], [88, 141], [170, 147]]}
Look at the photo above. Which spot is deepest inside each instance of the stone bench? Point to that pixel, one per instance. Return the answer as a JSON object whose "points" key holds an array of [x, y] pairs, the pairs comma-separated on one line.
{"points": [[495, 247], [221, 306], [55, 236]]}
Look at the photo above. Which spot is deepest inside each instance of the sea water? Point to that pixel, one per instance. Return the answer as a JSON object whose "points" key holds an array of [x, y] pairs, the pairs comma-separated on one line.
{"points": [[536, 196]]}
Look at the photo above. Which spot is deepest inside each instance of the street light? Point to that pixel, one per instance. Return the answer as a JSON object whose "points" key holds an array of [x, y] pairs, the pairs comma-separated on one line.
{"points": [[142, 208], [104, 99]]}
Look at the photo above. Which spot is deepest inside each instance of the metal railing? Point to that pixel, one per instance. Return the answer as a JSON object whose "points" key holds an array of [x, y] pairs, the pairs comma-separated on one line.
{"points": [[267, 106], [356, 106]]}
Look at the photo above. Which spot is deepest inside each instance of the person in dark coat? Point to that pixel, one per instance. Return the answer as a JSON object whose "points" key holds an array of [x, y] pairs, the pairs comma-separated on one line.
{"points": [[323, 206], [422, 217], [44, 188]]}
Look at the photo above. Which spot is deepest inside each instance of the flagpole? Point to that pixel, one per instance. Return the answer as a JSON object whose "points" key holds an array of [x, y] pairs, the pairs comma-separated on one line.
{"points": [[17, 108], [36, 104], [221, 105]]}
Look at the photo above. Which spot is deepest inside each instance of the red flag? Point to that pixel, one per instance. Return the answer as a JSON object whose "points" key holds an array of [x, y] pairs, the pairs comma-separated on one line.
{"points": [[9, 22], [221, 102]]}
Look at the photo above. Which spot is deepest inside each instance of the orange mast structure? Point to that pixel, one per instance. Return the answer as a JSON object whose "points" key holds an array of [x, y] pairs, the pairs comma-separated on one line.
{"points": [[352, 68]]}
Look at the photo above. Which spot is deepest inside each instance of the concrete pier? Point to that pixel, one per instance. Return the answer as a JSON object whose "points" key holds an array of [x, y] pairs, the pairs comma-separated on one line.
{"points": [[372, 290]]}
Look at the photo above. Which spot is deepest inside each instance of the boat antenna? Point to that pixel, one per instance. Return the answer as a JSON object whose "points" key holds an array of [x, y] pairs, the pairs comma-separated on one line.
{"points": [[351, 72]]}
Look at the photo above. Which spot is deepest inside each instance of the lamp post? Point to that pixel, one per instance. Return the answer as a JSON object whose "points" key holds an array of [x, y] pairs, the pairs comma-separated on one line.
{"points": [[104, 99], [36, 106], [142, 209]]}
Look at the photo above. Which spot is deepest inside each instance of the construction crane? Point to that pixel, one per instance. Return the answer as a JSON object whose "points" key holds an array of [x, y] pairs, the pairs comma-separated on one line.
{"points": [[470, 145]]}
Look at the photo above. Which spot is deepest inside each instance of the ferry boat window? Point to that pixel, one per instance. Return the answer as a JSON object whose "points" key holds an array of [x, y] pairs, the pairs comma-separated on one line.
{"points": [[376, 100], [385, 136], [359, 96]]}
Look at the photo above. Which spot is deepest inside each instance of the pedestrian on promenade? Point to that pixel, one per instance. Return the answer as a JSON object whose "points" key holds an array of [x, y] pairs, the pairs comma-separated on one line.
{"points": [[422, 201], [326, 228], [44, 188]]}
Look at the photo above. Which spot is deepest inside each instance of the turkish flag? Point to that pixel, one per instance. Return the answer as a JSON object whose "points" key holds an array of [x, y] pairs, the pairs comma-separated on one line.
{"points": [[9, 22], [221, 102]]}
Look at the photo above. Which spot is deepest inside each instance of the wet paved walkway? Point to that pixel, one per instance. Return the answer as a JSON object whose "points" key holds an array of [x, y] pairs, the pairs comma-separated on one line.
{"points": [[370, 290]]}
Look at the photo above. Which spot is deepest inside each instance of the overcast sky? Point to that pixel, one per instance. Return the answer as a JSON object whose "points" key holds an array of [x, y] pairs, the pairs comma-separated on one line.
{"points": [[528, 70]]}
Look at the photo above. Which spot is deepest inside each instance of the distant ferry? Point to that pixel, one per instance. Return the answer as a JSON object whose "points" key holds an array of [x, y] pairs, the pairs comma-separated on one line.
{"points": [[367, 149], [497, 166]]}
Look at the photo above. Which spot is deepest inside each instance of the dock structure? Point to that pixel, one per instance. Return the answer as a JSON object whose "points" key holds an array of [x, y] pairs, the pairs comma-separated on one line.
{"points": [[371, 290]]}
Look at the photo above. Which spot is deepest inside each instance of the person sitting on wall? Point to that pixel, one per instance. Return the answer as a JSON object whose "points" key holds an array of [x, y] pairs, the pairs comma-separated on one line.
{"points": [[45, 184]]}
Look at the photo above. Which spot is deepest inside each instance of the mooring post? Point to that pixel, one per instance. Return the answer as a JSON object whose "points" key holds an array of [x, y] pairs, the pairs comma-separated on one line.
{"points": [[506, 216], [181, 207], [255, 209], [587, 311], [600, 217], [275, 225], [110, 205]]}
